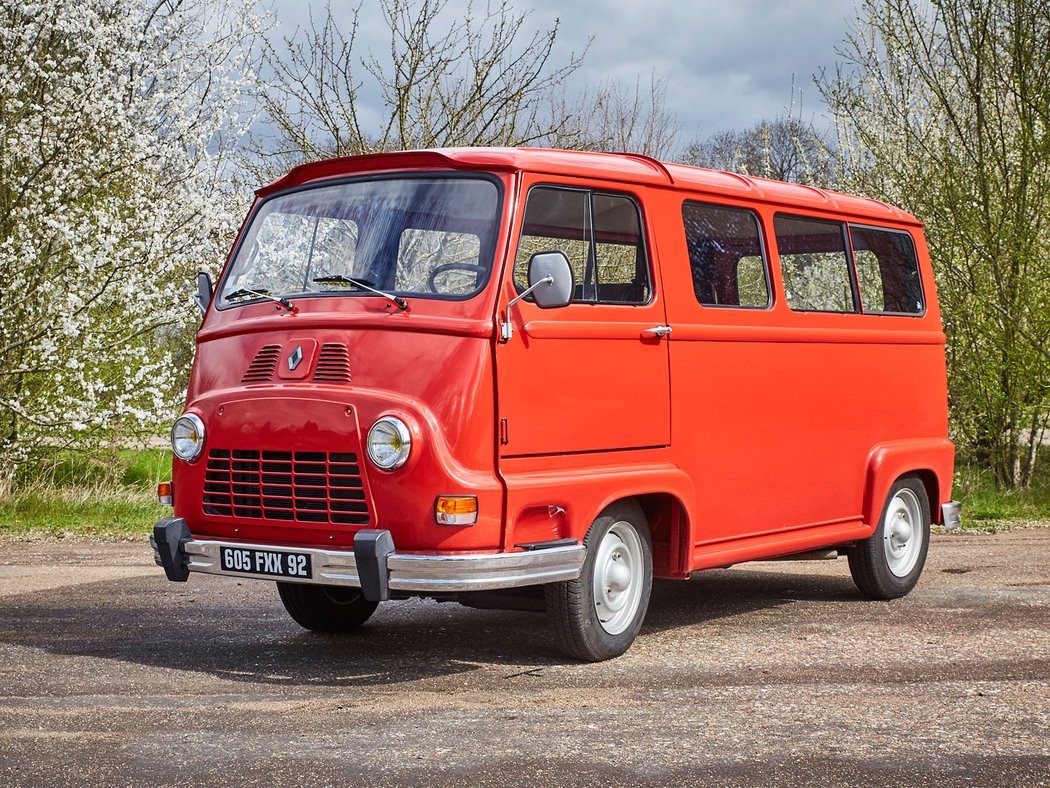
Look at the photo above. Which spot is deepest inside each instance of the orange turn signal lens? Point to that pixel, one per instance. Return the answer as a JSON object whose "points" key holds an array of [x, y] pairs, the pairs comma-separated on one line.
{"points": [[456, 510], [164, 494]]}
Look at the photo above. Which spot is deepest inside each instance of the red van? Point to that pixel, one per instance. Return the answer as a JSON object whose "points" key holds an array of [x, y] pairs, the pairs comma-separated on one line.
{"points": [[539, 379]]}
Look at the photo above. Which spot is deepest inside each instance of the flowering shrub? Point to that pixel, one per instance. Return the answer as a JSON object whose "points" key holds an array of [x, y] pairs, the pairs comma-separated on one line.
{"points": [[119, 122]]}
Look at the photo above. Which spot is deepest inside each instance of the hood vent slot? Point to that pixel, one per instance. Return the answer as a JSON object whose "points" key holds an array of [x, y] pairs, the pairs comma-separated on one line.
{"points": [[333, 364], [263, 365]]}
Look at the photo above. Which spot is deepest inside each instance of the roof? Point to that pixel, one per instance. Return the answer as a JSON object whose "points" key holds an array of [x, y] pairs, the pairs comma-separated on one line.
{"points": [[622, 167]]}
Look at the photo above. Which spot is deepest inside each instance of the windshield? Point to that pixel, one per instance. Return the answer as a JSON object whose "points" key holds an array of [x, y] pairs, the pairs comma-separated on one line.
{"points": [[424, 237]]}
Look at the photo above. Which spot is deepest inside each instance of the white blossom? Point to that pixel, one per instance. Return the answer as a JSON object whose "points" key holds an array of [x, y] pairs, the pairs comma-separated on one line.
{"points": [[119, 128]]}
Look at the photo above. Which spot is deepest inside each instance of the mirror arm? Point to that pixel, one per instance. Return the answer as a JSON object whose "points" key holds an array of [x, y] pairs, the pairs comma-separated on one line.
{"points": [[506, 329]]}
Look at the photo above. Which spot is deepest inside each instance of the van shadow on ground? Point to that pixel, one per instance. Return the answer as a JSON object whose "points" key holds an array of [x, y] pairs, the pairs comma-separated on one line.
{"points": [[721, 593], [240, 632]]}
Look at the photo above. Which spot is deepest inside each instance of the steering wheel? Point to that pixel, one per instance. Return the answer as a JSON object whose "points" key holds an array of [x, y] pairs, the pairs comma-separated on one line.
{"points": [[459, 265]]}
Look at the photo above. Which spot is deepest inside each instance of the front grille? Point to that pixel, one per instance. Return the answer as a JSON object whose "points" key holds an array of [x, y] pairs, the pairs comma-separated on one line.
{"points": [[314, 487], [263, 365]]}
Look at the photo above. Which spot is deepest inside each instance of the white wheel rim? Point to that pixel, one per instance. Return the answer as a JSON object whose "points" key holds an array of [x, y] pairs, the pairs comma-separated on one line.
{"points": [[902, 532], [617, 580]]}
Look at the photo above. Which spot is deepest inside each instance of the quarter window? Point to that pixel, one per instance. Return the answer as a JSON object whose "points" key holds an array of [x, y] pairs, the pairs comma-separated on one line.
{"points": [[887, 271], [601, 234], [815, 264], [725, 255]]}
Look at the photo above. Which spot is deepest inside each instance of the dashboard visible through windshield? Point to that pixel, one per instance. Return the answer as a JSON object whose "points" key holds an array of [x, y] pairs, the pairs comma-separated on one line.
{"points": [[426, 237]]}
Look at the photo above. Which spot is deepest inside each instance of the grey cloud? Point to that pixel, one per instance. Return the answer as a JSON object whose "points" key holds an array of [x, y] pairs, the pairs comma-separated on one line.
{"points": [[728, 64]]}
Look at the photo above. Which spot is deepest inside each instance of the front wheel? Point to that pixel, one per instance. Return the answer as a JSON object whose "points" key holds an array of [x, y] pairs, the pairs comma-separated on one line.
{"points": [[598, 615], [326, 608], [887, 564]]}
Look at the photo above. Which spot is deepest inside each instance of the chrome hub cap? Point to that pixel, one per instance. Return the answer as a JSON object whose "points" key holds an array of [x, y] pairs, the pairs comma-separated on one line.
{"points": [[617, 578], [902, 533]]}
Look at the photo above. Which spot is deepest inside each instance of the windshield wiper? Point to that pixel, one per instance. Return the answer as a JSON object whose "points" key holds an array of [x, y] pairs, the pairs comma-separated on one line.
{"points": [[261, 293], [362, 284]]}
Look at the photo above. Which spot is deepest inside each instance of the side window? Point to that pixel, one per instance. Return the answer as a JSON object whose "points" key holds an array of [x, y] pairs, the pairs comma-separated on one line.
{"points": [[557, 220], [815, 264], [601, 234], [725, 255], [622, 271], [887, 271]]}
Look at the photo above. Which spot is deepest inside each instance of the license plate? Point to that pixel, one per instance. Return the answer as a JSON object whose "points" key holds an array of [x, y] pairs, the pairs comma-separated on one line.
{"points": [[265, 562]]}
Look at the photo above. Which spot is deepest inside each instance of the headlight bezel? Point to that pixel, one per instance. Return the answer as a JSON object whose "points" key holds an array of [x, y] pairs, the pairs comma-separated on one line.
{"points": [[197, 424], [394, 427]]}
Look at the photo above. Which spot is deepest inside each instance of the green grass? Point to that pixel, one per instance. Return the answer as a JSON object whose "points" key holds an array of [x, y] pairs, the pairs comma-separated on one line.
{"points": [[112, 496], [987, 508], [80, 512]]}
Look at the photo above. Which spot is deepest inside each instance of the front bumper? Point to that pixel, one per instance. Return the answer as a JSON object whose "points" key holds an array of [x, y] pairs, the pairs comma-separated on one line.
{"points": [[375, 566]]}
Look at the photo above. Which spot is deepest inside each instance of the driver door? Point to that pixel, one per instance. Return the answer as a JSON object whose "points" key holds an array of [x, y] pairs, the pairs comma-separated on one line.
{"points": [[590, 376]]}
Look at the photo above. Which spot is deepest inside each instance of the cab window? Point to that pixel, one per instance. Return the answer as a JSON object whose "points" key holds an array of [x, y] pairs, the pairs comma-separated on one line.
{"points": [[600, 233]]}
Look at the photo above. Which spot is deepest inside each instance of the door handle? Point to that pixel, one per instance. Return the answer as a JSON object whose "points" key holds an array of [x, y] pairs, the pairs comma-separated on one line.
{"points": [[657, 331]]}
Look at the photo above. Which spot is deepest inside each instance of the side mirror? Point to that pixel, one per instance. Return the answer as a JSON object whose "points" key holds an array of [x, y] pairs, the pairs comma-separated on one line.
{"points": [[551, 284], [204, 292], [550, 279]]}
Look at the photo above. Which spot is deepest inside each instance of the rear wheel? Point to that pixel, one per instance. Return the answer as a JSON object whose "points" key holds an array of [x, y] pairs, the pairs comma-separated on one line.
{"points": [[887, 564], [598, 615], [326, 608]]}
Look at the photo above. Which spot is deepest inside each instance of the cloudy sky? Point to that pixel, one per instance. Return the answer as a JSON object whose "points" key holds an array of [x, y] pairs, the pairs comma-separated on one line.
{"points": [[729, 63]]}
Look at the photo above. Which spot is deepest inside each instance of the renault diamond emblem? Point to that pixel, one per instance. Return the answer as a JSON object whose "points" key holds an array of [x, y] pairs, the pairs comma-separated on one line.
{"points": [[295, 357]]}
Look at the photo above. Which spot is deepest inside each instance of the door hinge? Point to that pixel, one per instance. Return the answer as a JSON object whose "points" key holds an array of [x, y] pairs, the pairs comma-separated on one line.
{"points": [[504, 432]]}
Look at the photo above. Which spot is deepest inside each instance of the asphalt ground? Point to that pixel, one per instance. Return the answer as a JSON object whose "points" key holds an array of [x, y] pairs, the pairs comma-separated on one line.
{"points": [[766, 674]]}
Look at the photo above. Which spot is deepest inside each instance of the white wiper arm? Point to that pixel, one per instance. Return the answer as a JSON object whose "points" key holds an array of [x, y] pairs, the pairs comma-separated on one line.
{"points": [[339, 279], [246, 291]]}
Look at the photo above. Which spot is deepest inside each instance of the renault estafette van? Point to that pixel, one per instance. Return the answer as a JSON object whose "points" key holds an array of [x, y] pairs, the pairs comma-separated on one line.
{"points": [[540, 379]]}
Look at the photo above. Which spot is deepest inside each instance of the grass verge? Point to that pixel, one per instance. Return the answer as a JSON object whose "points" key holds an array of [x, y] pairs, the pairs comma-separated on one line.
{"points": [[108, 497], [988, 509], [103, 514]]}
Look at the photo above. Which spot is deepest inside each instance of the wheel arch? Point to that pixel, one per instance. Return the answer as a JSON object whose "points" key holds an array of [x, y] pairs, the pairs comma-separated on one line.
{"points": [[932, 461], [669, 527]]}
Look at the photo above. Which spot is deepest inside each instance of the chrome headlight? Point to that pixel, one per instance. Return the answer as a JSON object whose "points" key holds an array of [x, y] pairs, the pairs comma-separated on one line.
{"points": [[389, 443], [187, 437]]}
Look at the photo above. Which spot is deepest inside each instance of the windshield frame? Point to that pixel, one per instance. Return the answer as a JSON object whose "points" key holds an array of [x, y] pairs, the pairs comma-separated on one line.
{"points": [[487, 251]]}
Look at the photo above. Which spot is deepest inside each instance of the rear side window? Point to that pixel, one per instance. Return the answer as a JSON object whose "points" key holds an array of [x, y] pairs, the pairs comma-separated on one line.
{"points": [[601, 234], [725, 255], [815, 264], [887, 271]]}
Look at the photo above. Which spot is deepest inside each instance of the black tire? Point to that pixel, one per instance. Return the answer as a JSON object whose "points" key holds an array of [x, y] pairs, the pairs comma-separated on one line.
{"points": [[326, 608], [578, 629], [874, 570]]}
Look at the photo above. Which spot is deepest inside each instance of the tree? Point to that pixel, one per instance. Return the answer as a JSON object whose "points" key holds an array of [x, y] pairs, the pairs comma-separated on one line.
{"points": [[784, 149], [116, 122], [617, 117], [477, 80], [942, 108]]}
